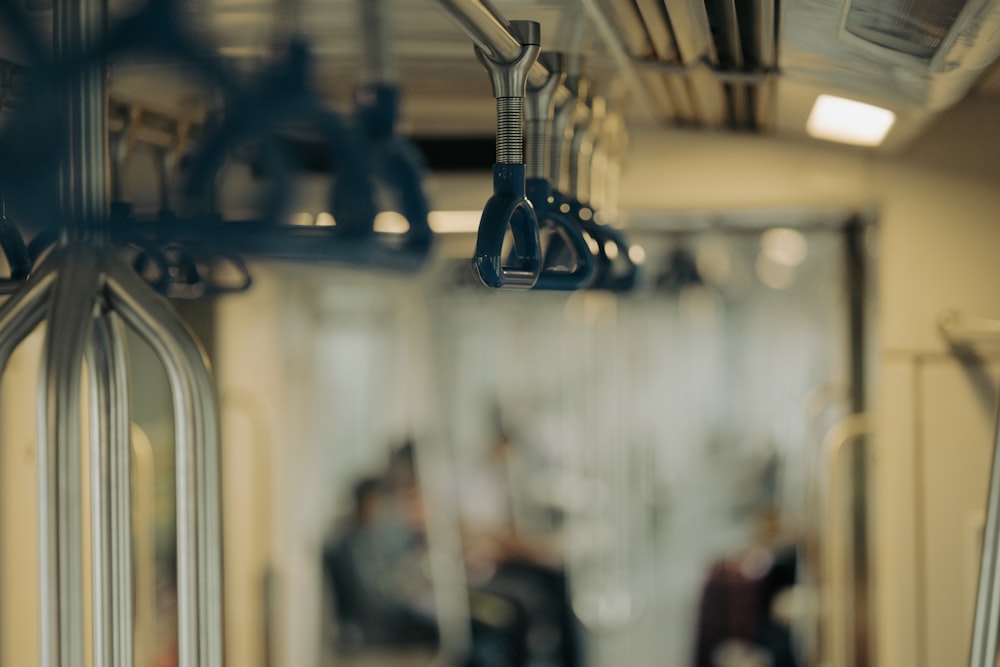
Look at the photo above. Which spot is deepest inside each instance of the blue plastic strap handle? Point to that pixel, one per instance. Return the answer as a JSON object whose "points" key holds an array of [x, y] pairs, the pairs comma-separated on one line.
{"points": [[621, 282], [214, 287], [394, 161], [149, 254], [194, 273], [571, 234], [283, 96], [606, 277], [508, 208]]}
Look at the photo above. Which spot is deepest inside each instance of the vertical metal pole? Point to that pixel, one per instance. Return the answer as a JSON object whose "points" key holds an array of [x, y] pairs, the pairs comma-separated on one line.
{"points": [[986, 624], [101, 507], [78, 25], [860, 590], [199, 530], [111, 494], [60, 550]]}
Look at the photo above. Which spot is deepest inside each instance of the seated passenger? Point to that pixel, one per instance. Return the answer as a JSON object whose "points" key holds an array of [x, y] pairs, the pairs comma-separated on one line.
{"points": [[371, 568]]}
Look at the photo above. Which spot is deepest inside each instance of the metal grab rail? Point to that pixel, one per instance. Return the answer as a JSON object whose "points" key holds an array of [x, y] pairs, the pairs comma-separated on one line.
{"points": [[86, 291], [840, 435], [986, 623], [495, 37], [82, 289], [110, 488], [198, 505]]}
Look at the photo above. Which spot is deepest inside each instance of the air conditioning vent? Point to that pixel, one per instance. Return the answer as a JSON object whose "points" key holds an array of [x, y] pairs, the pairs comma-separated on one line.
{"points": [[913, 27]]}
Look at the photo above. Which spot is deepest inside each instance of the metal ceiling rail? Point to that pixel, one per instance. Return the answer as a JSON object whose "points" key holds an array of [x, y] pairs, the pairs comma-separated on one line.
{"points": [[491, 32]]}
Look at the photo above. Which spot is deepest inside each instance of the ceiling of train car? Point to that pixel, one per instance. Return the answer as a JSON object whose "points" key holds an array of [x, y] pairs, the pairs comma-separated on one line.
{"points": [[737, 65]]}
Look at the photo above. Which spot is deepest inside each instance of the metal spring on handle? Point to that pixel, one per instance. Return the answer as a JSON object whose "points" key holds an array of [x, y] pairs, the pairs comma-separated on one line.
{"points": [[510, 130]]}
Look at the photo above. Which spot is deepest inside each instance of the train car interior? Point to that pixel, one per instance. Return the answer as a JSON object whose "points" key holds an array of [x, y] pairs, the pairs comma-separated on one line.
{"points": [[499, 333]]}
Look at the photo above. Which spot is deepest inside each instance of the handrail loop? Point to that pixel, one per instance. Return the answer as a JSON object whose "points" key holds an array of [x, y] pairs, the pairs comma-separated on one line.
{"points": [[509, 207], [258, 110], [614, 268], [395, 163], [539, 117]]}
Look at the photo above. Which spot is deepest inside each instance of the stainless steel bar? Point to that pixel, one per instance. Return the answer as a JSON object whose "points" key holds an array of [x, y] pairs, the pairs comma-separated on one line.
{"points": [[78, 25], [199, 515], [539, 117], [24, 310], [850, 428], [59, 485], [582, 149], [101, 507], [111, 489], [986, 623], [121, 492], [186, 434], [491, 32], [962, 329], [563, 120]]}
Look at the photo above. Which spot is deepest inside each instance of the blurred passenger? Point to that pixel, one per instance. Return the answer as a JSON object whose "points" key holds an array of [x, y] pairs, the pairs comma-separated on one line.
{"points": [[490, 488], [739, 622], [381, 596], [377, 568], [524, 567]]}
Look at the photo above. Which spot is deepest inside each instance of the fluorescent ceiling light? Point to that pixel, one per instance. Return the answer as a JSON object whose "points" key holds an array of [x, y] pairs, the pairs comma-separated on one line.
{"points": [[849, 121], [454, 222]]}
